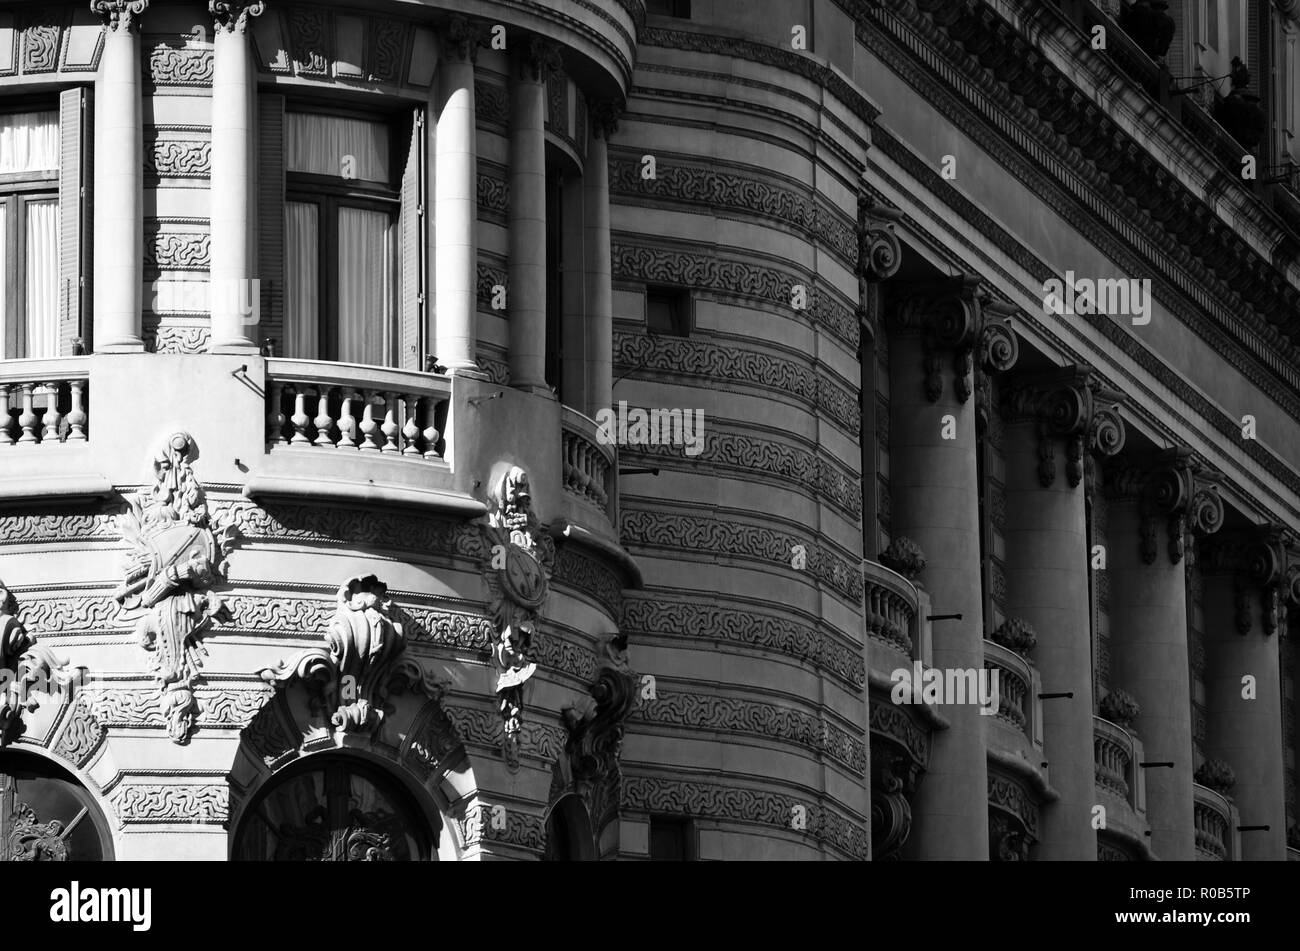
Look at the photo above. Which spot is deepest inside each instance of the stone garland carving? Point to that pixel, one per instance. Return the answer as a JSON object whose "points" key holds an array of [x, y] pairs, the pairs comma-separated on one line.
{"points": [[193, 803], [738, 804], [686, 619], [735, 715], [518, 557], [769, 284], [42, 34], [178, 555], [172, 66], [697, 533], [590, 765], [26, 669], [232, 16], [1070, 404], [175, 158], [350, 678], [119, 14]]}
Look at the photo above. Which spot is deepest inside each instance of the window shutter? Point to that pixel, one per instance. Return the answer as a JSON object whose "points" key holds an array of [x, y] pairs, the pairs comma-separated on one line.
{"points": [[270, 217], [76, 176], [412, 225]]}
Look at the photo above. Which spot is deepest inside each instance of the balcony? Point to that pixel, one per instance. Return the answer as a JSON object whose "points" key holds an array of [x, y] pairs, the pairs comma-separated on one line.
{"points": [[1215, 819], [1121, 784], [590, 468], [1018, 726], [893, 607]]}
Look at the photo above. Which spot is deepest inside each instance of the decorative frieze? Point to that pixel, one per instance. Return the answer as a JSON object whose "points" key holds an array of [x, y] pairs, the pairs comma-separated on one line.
{"points": [[178, 251], [171, 66], [1070, 404], [491, 104], [42, 33], [519, 829], [179, 158], [47, 528], [190, 803], [176, 338]]}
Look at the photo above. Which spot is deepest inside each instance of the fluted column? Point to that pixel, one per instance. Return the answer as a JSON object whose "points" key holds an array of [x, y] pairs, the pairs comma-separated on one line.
{"points": [[119, 181], [600, 289], [234, 306], [1054, 422], [1247, 582], [934, 485], [455, 181], [526, 295], [1152, 502]]}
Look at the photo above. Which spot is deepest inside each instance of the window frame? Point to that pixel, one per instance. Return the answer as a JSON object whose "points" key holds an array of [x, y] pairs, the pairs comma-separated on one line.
{"points": [[17, 190]]}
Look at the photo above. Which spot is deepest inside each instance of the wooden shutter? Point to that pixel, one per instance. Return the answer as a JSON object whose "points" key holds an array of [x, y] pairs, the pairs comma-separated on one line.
{"points": [[76, 233], [270, 217], [411, 251]]}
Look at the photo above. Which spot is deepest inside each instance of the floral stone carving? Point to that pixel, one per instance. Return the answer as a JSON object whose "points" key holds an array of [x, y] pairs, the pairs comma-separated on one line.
{"points": [[1217, 775], [1119, 707], [1016, 634], [350, 679], [904, 556], [518, 560], [25, 669], [178, 555]]}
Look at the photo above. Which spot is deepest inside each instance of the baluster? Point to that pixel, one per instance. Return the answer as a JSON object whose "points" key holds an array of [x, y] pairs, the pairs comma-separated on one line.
{"points": [[347, 422], [390, 428], [370, 434], [6, 423], [52, 417], [274, 414], [324, 422], [411, 431], [27, 419], [77, 416], [300, 419], [431, 433]]}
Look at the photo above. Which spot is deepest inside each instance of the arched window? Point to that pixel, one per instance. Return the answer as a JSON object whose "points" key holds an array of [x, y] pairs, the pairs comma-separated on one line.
{"points": [[568, 832], [333, 809], [46, 815]]}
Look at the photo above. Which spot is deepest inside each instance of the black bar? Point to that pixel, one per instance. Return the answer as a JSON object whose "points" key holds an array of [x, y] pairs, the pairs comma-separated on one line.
{"points": [[1252, 828], [1056, 696], [943, 617], [1170, 764], [637, 471]]}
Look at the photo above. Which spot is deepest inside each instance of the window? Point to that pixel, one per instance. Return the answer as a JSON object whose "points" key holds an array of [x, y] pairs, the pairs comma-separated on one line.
{"points": [[330, 809], [341, 222], [46, 815], [668, 311], [29, 233], [670, 8], [672, 839]]}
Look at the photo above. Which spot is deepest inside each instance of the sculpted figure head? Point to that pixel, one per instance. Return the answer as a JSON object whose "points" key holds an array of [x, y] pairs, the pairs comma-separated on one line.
{"points": [[514, 499]]}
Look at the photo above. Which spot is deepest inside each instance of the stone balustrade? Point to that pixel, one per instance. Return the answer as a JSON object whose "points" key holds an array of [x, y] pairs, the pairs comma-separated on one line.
{"points": [[1114, 760], [589, 466], [1214, 817], [891, 606], [1018, 701], [44, 402], [317, 405]]}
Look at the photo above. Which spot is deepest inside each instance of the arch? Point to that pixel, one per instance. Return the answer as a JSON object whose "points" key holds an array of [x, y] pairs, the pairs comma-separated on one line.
{"points": [[569, 836], [47, 813]]}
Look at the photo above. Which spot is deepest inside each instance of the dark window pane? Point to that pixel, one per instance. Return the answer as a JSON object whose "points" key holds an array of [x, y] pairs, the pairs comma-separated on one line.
{"points": [[670, 839]]}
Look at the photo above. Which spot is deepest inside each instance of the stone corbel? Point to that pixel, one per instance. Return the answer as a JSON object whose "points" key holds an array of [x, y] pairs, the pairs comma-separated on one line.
{"points": [[997, 351], [949, 321], [879, 253], [1070, 404], [232, 16], [119, 14]]}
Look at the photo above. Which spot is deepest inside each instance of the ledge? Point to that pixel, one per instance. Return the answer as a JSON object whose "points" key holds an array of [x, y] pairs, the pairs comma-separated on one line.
{"points": [[1025, 770], [444, 500], [86, 487], [931, 715], [607, 549]]}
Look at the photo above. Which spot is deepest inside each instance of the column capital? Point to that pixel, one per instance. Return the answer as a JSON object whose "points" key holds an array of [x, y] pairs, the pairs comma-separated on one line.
{"points": [[119, 14], [879, 253], [1266, 557], [1071, 403], [604, 115], [1175, 485], [537, 59], [231, 16], [462, 37], [953, 316]]}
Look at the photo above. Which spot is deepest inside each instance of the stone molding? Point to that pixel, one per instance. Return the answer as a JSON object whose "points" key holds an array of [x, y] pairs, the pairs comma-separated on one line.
{"points": [[879, 253]]}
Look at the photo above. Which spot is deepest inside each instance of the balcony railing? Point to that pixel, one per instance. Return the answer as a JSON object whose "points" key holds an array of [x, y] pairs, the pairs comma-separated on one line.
{"points": [[367, 409], [1213, 816], [1018, 701], [1115, 754], [891, 607], [589, 466], [44, 402]]}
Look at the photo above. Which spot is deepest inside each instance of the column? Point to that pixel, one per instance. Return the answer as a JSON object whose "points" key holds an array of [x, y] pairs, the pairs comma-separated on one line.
{"points": [[934, 487], [1052, 422], [1245, 582], [119, 182], [455, 179], [1152, 500], [600, 288], [526, 294], [233, 304]]}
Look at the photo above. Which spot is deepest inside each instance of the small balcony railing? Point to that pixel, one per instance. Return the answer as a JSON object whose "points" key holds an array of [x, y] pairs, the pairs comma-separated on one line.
{"points": [[1115, 755], [1018, 702], [1214, 818], [590, 466], [44, 402], [891, 607], [357, 408]]}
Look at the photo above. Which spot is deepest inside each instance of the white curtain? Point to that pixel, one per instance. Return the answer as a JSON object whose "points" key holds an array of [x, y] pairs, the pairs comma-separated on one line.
{"points": [[330, 145], [365, 269], [42, 278], [302, 280], [29, 142]]}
